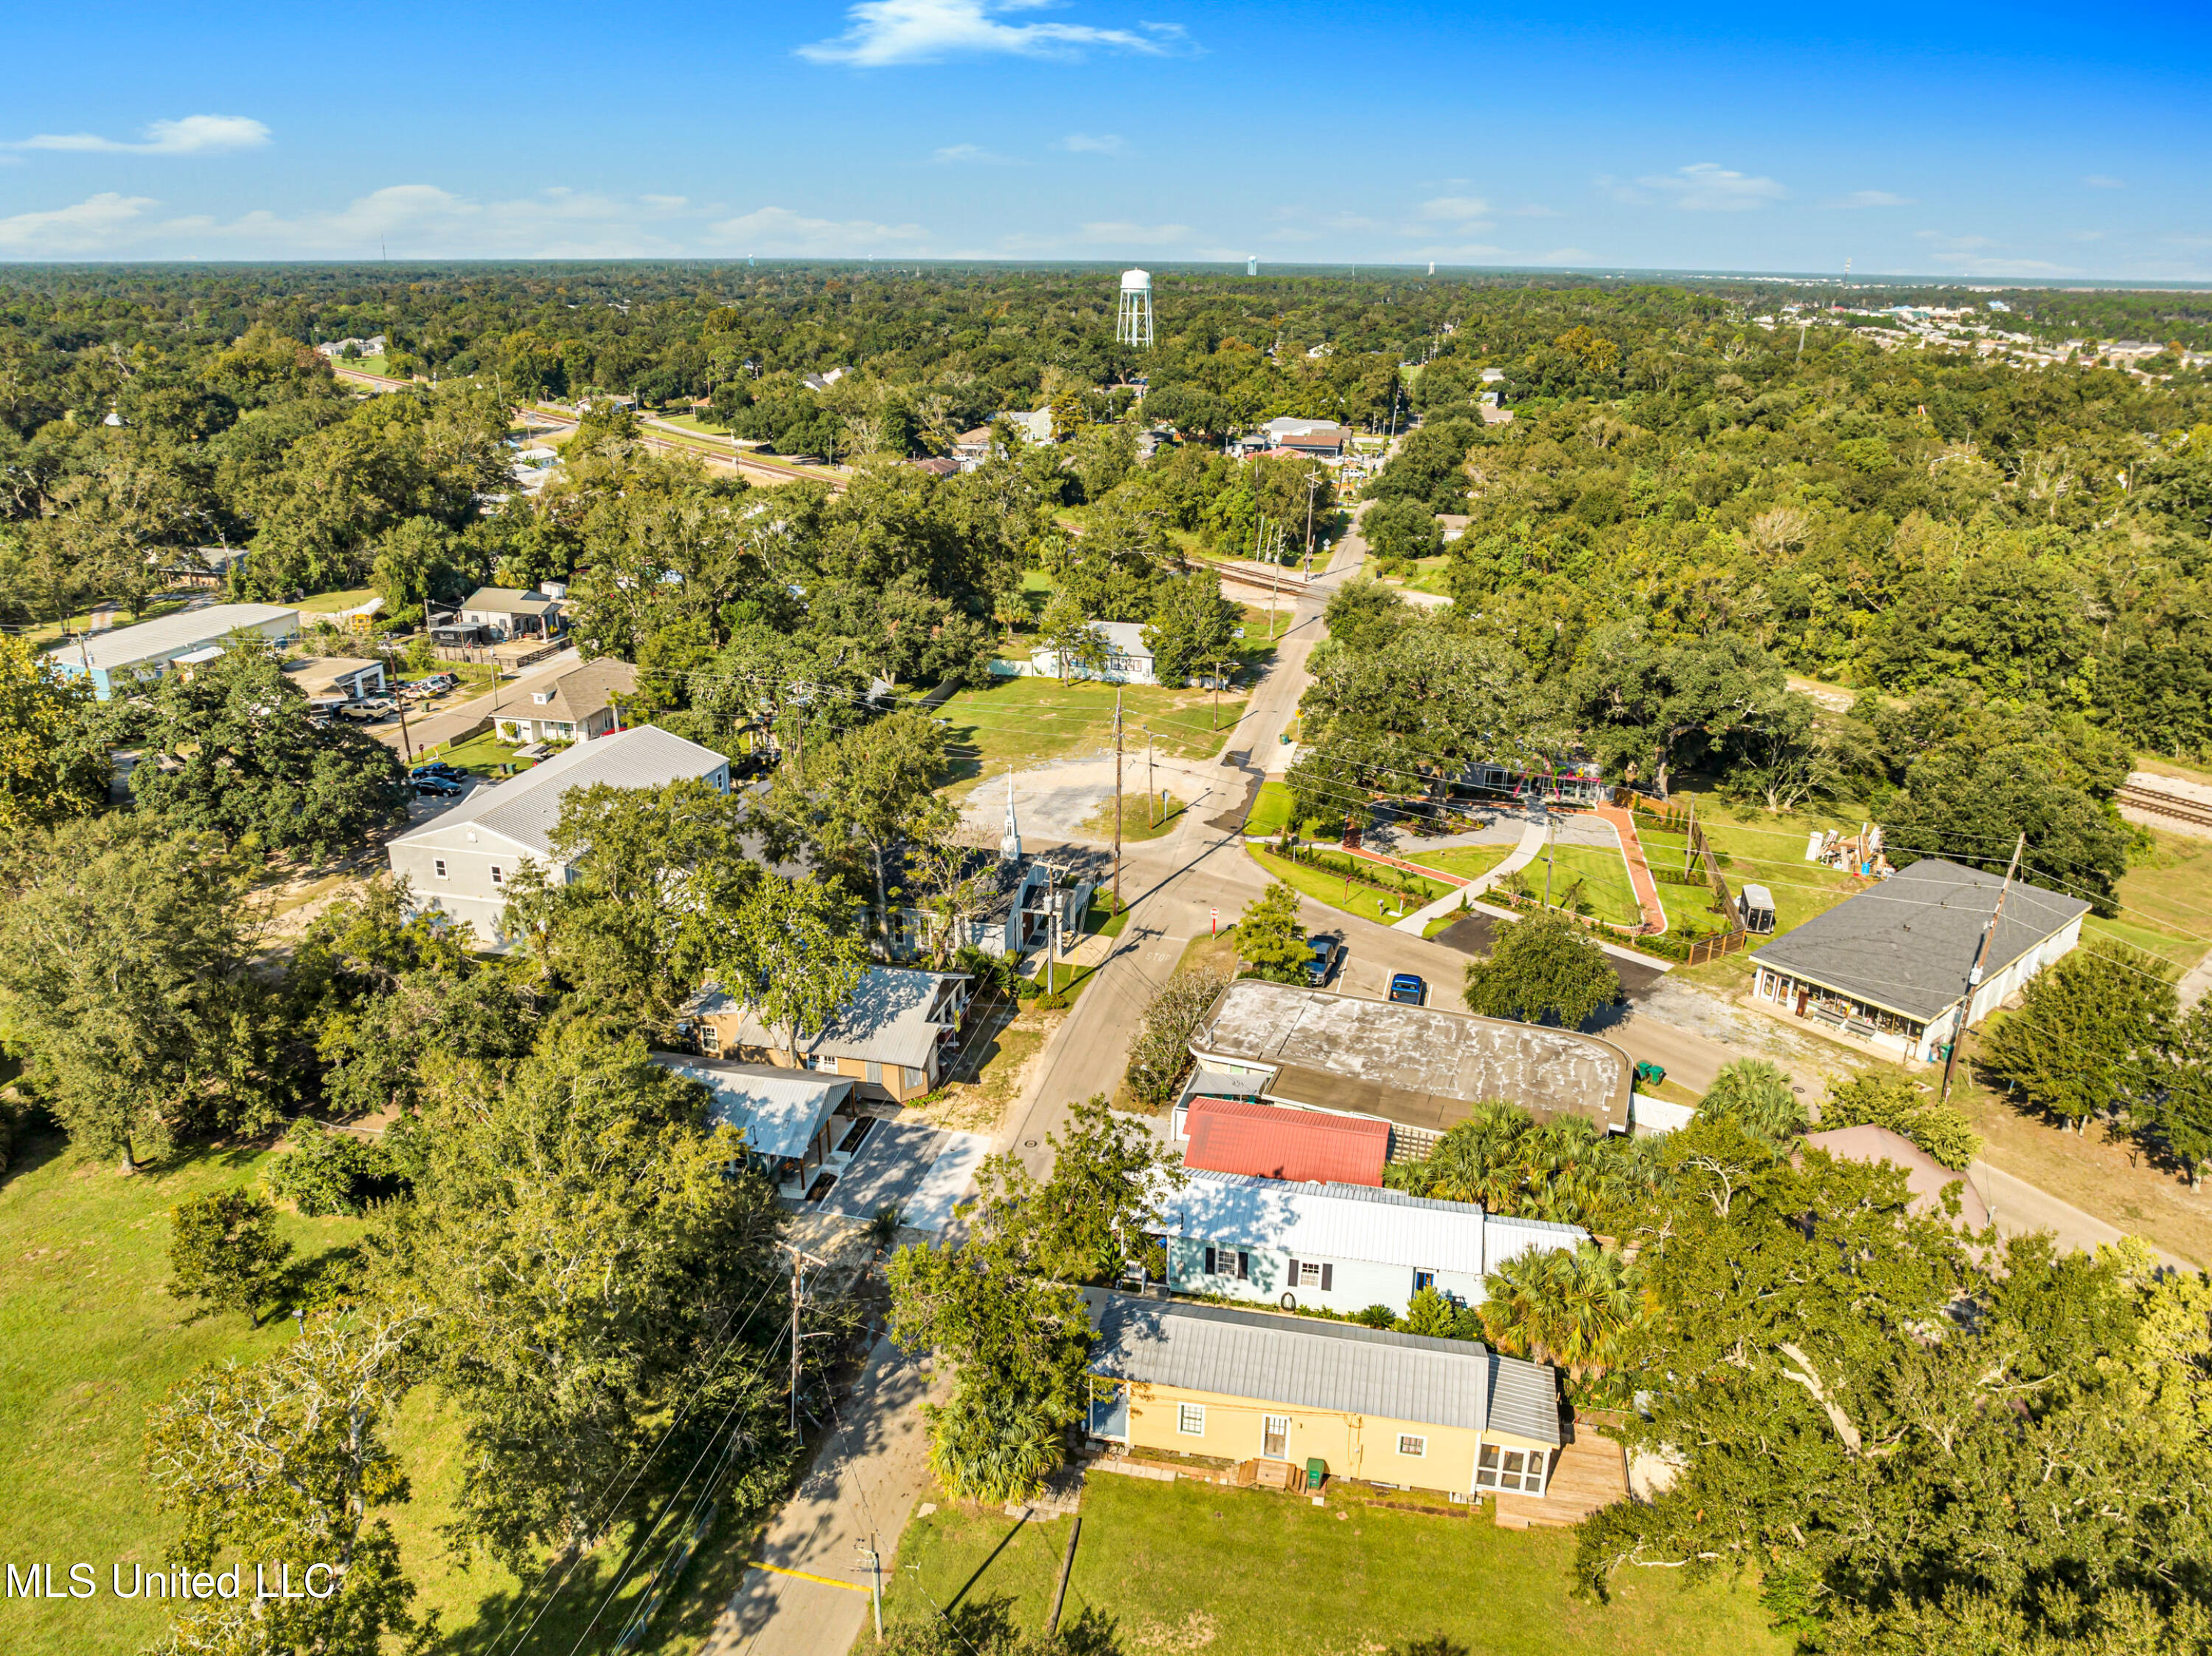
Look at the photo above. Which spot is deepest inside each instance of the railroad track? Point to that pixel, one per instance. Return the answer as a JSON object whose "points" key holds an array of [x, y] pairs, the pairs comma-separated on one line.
{"points": [[2166, 805]]}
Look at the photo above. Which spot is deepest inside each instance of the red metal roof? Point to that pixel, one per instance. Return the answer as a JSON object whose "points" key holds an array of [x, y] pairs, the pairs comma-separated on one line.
{"points": [[1229, 1135]]}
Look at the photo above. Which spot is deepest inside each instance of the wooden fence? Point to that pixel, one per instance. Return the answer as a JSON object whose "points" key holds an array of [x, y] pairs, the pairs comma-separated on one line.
{"points": [[1677, 819]]}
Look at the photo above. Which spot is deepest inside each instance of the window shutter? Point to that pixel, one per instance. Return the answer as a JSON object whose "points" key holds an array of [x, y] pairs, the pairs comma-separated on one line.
{"points": [[1327, 1273], [1243, 1266], [1293, 1282], [1209, 1262]]}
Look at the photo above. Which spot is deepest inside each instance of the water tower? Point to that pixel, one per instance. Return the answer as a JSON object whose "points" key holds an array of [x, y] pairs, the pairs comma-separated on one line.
{"points": [[1133, 322], [1252, 265]]}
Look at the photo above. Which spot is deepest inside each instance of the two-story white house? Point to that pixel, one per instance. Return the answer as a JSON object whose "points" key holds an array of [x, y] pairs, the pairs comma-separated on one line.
{"points": [[1335, 1247], [460, 862]]}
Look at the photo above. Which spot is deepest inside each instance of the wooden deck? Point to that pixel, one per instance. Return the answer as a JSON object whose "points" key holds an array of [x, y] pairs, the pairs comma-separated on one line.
{"points": [[1591, 1473]]}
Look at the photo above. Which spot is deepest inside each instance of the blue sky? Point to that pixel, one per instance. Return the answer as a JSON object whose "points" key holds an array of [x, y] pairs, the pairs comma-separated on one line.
{"points": [[1973, 140]]}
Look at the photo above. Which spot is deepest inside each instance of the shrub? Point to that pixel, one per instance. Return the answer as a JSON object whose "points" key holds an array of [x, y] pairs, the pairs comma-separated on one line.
{"points": [[326, 1171], [1755, 1095], [224, 1248], [1891, 1101], [1160, 1056]]}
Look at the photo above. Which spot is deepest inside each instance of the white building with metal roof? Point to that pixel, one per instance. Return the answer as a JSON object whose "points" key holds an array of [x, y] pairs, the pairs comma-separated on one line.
{"points": [[1335, 1247], [123, 660], [792, 1121], [460, 861]]}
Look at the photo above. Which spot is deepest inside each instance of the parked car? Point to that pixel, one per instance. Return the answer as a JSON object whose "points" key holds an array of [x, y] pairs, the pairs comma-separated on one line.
{"points": [[1409, 990], [1322, 955], [437, 768], [439, 787], [368, 711], [436, 684]]}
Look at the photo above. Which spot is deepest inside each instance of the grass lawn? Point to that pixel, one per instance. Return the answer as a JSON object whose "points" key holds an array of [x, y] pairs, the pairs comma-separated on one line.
{"points": [[1271, 810], [1135, 807], [329, 604], [1186, 1566], [2166, 900], [1604, 875], [480, 755], [1468, 862], [94, 1340], [1384, 908], [1028, 722]]}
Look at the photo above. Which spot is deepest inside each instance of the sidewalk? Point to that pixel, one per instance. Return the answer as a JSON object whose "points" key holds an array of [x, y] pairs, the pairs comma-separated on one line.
{"points": [[1639, 872], [1530, 847]]}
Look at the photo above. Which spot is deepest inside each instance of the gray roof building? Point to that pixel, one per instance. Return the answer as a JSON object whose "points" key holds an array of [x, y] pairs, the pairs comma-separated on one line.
{"points": [[1416, 1066], [778, 1112], [1310, 1364], [1904, 946], [896, 1015]]}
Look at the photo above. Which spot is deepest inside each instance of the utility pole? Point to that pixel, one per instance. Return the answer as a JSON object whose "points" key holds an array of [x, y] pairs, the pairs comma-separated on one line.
{"points": [[1313, 488], [1117, 799], [798, 1256], [1690, 835], [1974, 975], [1152, 806], [1217, 695], [392, 675], [1550, 833], [872, 1561]]}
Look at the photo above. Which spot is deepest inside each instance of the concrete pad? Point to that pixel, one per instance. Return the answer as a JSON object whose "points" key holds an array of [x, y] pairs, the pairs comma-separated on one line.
{"points": [[946, 1180], [921, 1170]]}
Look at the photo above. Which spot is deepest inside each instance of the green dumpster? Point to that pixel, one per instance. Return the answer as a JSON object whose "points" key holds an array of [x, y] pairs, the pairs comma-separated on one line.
{"points": [[1316, 1471]]}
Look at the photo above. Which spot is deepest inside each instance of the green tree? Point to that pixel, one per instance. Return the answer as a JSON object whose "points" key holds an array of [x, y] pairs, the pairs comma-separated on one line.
{"points": [[231, 751], [1968, 808], [224, 1248], [326, 1171], [870, 791], [1543, 967], [1090, 1215], [1756, 1096], [1270, 934], [1193, 630], [1398, 531], [128, 983], [54, 762], [1872, 1098], [2084, 1040], [1068, 633], [2183, 1114], [626, 929], [1574, 1307], [285, 1461], [588, 1264], [789, 951]]}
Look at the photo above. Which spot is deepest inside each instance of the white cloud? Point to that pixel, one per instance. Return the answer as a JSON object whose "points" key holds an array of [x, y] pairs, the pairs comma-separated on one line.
{"points": [[956, 155], [418, 220], [1706, 187], [92, 226], [194, 135], [883, 32], [1870, 198], [2098, 181], [780, 230], [1116, 232], [1095, 143], [1534, 211], [1456, 210]]}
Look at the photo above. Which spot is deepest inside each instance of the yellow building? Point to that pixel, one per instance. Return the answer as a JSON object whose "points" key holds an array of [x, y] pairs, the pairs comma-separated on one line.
{"points": [[1450, 1416]]}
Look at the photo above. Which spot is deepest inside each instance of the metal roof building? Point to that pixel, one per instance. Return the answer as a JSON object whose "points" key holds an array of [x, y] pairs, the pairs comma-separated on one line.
{"points": [[119, 659], [1308, 1364], [1347, 1222], [1235, 1135]]}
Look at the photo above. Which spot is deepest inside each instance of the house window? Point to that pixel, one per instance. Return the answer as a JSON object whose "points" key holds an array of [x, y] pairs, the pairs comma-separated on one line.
{"points": [[826, 1062], [1497, 1467], [1190, 1419], [1228, 1262], [498, 877], [1424, 1279], [438, 867], [1310, 1274], [1412, 1446]]}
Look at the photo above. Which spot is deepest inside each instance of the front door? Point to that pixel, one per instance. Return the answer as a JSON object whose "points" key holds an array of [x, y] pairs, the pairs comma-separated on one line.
{"points": [[1275, 1437], [1801, 1003]]}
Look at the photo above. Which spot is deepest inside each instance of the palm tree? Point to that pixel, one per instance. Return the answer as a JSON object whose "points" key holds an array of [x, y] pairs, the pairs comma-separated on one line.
{"points": [[992, 1446], [1572, 1309]]}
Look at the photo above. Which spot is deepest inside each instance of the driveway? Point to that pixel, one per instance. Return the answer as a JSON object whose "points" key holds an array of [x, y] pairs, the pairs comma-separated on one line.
{"points": [[921, 1170]]}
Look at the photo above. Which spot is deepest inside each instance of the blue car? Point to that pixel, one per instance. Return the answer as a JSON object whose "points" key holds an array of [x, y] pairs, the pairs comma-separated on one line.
{"points": [[1407, 990], [438, 787]]}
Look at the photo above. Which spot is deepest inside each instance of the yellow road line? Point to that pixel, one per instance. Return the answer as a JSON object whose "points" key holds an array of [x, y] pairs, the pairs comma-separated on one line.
{"points": [[802, 1576]]}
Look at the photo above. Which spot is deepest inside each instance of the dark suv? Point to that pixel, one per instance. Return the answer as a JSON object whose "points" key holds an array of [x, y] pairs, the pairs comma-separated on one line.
{"points": [[1322, 960]]}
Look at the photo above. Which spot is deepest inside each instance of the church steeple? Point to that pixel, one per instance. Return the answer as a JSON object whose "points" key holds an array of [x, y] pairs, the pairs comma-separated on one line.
{"points": [[1010, 837]]}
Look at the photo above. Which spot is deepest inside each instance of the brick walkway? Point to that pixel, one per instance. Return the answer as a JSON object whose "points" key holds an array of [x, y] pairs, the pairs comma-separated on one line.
{"points": [[1639, 872]]}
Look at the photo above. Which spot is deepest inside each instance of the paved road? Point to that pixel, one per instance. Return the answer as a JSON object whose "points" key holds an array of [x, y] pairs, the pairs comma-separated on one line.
{"points": [[864, 1481], [429, 730], [2017, 1207]]}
